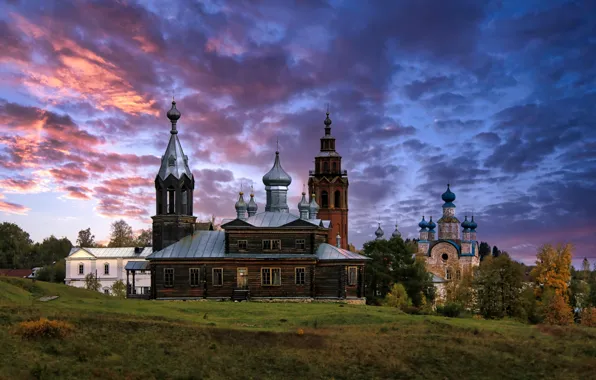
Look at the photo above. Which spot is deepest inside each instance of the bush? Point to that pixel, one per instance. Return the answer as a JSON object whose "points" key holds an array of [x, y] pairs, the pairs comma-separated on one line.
{"points": [[450, 309], [398, 297], [588, 317], [44, 328], [558, 311]]}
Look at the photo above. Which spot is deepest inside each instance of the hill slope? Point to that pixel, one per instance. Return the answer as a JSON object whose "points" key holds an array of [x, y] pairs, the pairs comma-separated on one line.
{"points": [[222, 340]]}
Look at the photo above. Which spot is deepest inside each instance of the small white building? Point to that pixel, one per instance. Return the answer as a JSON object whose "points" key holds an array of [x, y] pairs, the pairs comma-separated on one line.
{"points": [[109, 266]]}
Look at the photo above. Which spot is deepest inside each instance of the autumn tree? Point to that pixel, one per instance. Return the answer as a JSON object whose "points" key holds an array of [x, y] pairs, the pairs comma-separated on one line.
{"points": [[499, 283], [145, 238], [121, 235], [398, 297], [557, 310], [553, 269], [86, 238], [461, 289]]}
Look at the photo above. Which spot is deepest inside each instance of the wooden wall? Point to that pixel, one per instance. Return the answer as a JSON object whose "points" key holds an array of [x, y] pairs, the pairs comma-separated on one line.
{"points": [[288, 241]]}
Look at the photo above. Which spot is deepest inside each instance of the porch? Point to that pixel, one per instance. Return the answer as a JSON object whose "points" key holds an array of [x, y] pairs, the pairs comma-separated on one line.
{"points": [[132, 268]]}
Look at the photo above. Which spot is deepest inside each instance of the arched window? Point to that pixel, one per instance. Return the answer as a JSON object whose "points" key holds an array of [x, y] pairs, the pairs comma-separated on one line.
{"points": [[458, 274], [448, 273], [337, 199], [324, 199], [184, 210], [106, 268], [325, 167], [159, 201], [171, 200], [334, 167], [81, 268]]}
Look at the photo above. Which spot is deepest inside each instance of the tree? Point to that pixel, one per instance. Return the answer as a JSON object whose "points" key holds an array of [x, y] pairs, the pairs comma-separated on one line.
{"points": [[53, 249], [553, 269], [557, 311], [585, 269], [144, 238], [91, 282], [496, 251], [483, 250], [119, 289], [392, 262], [580, 293], [15, 246], [499, 282], [461, 290], [121, 235], [398, 297], [53, 273], [86, 239]]}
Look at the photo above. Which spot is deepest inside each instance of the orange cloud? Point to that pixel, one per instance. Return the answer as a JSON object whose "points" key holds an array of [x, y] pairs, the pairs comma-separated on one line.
{"points": [[12, 208]]}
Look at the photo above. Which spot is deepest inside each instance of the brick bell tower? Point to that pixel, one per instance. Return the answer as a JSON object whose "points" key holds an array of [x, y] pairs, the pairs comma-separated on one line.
{"points": [[329, 183]]}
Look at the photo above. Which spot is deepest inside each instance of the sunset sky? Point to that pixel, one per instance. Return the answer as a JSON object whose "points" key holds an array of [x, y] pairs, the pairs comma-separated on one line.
{"points": [[499, 98]]}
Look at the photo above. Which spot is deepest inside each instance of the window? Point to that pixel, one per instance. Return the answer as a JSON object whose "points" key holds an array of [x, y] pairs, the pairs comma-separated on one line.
{"points": [[106, 291], [300, 276], [106, 268], [325, 167], [324, 199], [194, 276], [352, 276], [271, 276], [242, 245], [271, 245], [334, 167], [146, 289], [337, 199], [171, 200], [300, 244], [448, 273], [458, 274], [444, 256], [168, 275], [217, 277], [184, 195], [81, 268]]}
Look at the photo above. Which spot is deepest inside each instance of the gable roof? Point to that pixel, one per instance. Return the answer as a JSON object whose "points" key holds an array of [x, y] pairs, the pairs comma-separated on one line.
{"points": [[277, 219], [202, 244], [114, 253], [330, 252], [16, 272]]}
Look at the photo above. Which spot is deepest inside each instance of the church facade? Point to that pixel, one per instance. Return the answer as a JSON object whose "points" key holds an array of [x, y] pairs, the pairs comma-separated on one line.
{"points": [[448, 254], [256, 255]]}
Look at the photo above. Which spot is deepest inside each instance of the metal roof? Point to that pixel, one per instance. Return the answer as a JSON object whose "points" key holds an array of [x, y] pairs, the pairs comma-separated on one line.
{"points": [[330, 252], [113, 252], [174, 161], [137, 265], [277, 219], [202, 244], [437, 279], [270, 256]]}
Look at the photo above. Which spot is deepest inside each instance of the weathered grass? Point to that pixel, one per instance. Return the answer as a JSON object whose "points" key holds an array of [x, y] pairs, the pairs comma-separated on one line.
{"points": [[223, 340]]}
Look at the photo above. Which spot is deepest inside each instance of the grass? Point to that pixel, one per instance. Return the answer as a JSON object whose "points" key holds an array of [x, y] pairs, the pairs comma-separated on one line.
{"points": [[135, 339]]}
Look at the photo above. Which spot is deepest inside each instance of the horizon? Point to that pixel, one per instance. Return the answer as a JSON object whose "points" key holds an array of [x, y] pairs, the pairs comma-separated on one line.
{"points": [[495, 98]]}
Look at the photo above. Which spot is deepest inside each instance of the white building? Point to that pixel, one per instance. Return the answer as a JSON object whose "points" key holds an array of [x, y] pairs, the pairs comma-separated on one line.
{"points": [[109, 266]]}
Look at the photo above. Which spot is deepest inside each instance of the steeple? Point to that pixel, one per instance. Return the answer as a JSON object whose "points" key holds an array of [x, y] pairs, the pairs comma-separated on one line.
{"points": [[303, 206], [174, 185], [313, 208], [276, 186], [252, 205], [241, 207]]}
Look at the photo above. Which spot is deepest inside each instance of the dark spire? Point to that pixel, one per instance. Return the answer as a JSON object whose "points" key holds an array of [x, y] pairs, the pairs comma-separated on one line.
{"points": [[327, 123], [173, 114]]}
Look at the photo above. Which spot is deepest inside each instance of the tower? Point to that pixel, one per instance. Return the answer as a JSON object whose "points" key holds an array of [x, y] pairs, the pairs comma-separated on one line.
{"points": [[276, 183], [174, 185], [329, 183], [448, 224]]}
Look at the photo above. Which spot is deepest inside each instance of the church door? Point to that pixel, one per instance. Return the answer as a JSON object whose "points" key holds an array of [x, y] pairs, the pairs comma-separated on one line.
{"points": [[242, 278]]}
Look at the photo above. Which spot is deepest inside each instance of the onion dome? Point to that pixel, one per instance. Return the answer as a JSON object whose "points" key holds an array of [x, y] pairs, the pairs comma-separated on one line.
{"points": [[431, 225], [313, 207], [277, 176], [379, 232], [303, 207], [396, 233], [473, 224], [423, 224], [448, 196], [241, 206], [252, 206], [173, 114], [465, 224]]}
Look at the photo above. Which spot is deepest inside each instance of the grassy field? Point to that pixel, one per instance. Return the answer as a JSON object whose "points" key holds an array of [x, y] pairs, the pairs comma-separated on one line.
{"points": [[133, 339]]}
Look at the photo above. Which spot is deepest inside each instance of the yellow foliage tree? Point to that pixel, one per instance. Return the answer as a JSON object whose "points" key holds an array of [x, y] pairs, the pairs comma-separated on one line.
{"points": [[553, 269]]}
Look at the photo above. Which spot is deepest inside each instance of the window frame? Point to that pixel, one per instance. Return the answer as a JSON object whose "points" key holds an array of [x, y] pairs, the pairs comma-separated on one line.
{"points": [[213, 276], [297, 244], [81, 269], [271, 276], [271, 248], [245, 245], [167, 283], [302, 278], [197, 272], [106, 266], [349, 278], [448, 274]]}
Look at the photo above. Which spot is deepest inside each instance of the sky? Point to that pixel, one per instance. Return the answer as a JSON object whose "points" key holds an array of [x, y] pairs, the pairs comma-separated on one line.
{"points": [[496, 98]]}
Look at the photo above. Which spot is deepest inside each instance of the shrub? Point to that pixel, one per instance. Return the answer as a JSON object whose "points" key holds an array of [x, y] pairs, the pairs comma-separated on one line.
{"points": [[558, 311], [450, 309], [398, 297], [588, 317], [119, 289], [44, 328]]}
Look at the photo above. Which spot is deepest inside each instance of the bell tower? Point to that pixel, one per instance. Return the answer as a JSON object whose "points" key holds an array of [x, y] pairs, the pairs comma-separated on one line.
{"points": [[329, 183], [174, 185]]}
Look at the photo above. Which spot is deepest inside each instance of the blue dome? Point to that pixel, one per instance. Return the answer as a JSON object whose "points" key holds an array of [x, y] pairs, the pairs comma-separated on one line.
{"points": [[423, 224], [465, 224], [448, 196], [473, 224], [431, 225], [277, 176]]}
